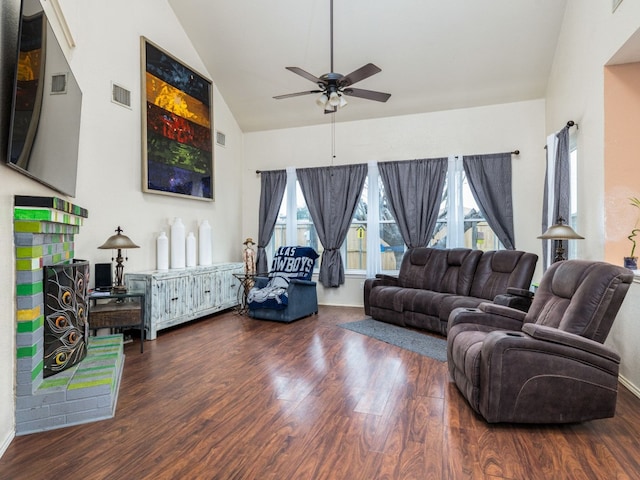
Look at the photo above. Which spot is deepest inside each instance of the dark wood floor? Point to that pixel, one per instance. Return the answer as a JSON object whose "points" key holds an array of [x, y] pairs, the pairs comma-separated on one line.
{"points": [[234, 398]]}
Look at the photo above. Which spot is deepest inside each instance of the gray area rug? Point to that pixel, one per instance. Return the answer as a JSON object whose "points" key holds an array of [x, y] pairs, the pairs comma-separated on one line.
{"points": [[412, 340]]}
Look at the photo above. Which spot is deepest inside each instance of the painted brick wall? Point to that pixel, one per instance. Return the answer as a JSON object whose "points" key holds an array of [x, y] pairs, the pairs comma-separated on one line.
{"points": [[44, 229]]}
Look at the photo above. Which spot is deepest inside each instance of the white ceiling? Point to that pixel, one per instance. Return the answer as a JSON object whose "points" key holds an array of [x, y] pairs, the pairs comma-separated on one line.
{"points": [[434, 55]]}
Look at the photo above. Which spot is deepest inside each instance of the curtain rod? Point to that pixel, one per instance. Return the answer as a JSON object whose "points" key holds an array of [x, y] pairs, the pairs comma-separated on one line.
{"points": [[515, 152], [570, 124]]}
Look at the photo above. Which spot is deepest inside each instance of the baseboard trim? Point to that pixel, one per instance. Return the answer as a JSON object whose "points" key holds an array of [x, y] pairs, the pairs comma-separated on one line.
{"points": [[334, 304], [6, 442], [632, 388]]}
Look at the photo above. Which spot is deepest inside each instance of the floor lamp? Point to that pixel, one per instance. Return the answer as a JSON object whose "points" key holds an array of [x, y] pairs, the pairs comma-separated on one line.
{"points": [[558, 232]]}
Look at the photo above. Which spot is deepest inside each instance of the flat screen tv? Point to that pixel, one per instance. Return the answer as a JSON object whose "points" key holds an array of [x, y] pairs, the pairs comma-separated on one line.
{"points": [[46, 106]]}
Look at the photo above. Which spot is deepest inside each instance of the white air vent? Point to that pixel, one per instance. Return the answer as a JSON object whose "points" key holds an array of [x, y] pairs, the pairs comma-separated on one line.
{"points": [[58, 83], [120, 95], [221, 138]]}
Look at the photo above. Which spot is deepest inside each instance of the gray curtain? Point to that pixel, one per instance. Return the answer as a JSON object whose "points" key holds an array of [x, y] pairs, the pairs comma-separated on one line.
{"points": [[272, 186], [561, 188], [489, 178], [332, 195], [414, 190]]}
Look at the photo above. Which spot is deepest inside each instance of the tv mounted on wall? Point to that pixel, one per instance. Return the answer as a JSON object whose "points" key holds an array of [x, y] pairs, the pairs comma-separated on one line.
{"points": [[46, 105]]}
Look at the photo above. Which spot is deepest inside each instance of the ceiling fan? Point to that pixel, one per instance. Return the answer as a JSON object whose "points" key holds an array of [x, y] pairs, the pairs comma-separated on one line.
{"points": [[334, 86]]}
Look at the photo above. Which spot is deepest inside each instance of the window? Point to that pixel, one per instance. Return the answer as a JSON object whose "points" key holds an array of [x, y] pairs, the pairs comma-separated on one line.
{"points": [[295, 229], [392, 246], [460, 222], [573, 202], [355, 245], [374, 243]]}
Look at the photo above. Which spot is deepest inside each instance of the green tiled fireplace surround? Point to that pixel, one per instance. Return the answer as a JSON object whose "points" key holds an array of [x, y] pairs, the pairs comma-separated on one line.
{"points": [[44, 229]]}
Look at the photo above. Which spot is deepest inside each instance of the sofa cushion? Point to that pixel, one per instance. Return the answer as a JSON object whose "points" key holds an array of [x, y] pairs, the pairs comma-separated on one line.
{"points": [[498, 270], [425, 301], [445, 271]]}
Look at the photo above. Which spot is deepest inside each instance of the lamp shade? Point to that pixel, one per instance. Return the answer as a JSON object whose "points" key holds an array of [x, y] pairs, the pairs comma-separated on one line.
{"points": [[560, 231], [118, 241]]}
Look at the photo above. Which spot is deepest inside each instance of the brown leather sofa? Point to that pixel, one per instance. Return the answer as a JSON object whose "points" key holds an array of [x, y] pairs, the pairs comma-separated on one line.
{"points": [[432, 282], [548, 365]]}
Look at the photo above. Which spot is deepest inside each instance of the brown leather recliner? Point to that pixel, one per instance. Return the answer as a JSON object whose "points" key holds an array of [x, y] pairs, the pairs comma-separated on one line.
{"points": [[548, 365]]}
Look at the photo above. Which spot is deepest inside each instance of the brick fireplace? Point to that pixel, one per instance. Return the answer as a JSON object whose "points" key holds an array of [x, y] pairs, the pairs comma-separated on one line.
{"points": [[44, 230]]}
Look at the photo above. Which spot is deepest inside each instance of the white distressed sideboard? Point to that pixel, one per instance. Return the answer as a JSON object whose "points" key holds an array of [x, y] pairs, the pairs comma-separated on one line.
{"points": [[176, 296]]}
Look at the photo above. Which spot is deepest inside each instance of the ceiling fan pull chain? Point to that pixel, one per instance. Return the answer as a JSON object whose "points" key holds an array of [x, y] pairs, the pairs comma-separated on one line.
{"points": [[333, 137]]}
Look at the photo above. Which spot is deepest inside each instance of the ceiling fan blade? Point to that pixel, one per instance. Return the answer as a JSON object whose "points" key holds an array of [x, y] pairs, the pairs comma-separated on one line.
{"points": [[304, 74], [368, 94], [297, 94], [359, 74], [331, 110]]}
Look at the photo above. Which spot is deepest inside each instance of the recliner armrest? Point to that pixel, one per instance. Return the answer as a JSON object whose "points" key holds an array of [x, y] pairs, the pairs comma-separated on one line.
{"points": [[384, 279], [550, 334], [489, 315], [502, 311], [518, 298], [520, 292]]}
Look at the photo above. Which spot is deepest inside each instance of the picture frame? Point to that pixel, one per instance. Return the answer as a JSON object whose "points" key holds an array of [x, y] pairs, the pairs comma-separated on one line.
{"points": [[177, 126]]}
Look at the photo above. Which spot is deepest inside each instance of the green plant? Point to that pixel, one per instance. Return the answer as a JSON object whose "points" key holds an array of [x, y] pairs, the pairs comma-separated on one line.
{"points": [[635, 202]]}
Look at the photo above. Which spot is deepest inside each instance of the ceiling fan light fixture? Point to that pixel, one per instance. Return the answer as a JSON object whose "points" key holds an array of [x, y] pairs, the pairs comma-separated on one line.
{"points": [[334, 99], [322, 100], [343, 102]]}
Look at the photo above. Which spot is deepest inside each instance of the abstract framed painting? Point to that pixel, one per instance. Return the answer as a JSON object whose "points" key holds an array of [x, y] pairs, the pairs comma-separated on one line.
{"points": [[177, 113]]}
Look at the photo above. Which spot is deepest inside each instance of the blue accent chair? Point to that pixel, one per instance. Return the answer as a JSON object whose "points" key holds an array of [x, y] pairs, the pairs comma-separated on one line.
{"points": [[287, 293]]}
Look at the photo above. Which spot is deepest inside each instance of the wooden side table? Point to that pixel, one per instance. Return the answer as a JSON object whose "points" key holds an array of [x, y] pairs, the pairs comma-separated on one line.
{"points": [[117, 310]]}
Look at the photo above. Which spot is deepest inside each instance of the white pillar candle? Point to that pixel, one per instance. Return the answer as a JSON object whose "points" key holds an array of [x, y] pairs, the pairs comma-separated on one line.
{"points": [[177, 244], [204, 243], [162, 252], [191, 250]]}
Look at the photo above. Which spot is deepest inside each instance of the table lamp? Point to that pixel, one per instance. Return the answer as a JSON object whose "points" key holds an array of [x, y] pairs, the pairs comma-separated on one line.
{"points": [[118, 242], [560, 231]]}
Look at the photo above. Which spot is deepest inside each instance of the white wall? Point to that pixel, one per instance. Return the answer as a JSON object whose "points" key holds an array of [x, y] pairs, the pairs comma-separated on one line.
{"points": [[107, 35], [492, 129], [591, 35], [110, 168]]}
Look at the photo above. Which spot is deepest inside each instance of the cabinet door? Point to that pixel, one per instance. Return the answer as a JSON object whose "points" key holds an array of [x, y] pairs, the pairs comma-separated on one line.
{"points": [[203, 291], [227, 287], [171, 299]]}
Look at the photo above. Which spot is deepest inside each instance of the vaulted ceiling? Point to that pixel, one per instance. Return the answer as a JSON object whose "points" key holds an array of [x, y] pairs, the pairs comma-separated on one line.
{"points": [[434, 55]]}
